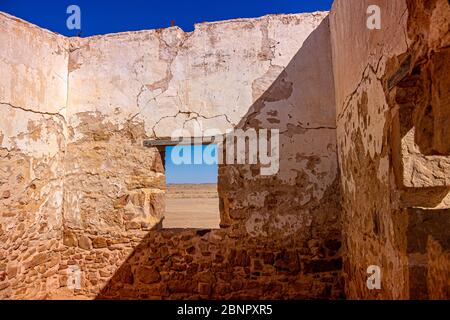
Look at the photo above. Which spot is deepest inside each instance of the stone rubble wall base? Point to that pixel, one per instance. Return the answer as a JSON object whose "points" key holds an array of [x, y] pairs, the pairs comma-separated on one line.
{"points": [[363, 172]]}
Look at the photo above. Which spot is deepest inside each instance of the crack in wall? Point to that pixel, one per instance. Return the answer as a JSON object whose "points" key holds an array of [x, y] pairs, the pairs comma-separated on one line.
{"points": [[171, 52], [309, 128], [189, 118], [98, 151], [52, 114], [267, 53], [364, 77]]}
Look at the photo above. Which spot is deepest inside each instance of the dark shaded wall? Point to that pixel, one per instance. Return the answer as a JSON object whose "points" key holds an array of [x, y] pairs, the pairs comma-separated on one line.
{"points": [[392, 145]]}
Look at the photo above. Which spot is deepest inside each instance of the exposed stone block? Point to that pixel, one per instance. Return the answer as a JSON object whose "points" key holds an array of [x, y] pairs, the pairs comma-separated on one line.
{"points": [[99, 242], [85, 243], [70, 239]]}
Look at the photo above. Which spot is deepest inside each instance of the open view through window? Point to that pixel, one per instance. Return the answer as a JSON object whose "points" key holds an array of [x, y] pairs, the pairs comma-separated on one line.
{"points": [[192, 200]]}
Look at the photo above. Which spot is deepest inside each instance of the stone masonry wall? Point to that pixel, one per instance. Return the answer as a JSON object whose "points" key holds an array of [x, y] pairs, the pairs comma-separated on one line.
{"points": [[33, 92], [392, 111], [212, 264], [420, 97], [282, 237], [370, 216], [363, 171], [159, 81]]}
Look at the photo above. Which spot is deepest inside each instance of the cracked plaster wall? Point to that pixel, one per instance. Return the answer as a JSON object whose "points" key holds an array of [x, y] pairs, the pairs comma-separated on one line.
{"points": [[106, 94], [148, 84], [78, 188], [33, 96]]}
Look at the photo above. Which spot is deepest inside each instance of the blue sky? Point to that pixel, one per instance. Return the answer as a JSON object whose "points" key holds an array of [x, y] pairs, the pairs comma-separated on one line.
{"points": [[108, 16], [191, 173]]}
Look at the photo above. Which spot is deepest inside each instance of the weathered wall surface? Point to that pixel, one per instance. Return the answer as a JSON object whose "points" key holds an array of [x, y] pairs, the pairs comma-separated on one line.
{"points": [[363, 120], [167, 78], [149, 84], [417, 86], [92, 107], [369, 216], [131, 86], [33, 91], [293, 201], [202, 264], [391, 132]]}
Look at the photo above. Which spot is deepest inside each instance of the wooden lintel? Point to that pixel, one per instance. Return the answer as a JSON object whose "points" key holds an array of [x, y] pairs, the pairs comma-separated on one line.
{"points": [[164, 142]]}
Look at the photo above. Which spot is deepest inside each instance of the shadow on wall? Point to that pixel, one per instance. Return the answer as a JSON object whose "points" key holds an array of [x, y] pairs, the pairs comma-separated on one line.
{"points": [[415, 127], [416, 86], [281, 234], [300, 103]]}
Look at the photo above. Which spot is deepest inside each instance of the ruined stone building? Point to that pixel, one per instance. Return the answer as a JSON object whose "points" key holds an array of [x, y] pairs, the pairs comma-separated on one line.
{"points": [[363, 179]]}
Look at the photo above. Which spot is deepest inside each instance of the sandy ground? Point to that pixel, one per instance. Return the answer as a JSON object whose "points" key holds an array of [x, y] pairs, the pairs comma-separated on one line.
{"points": [[192, 206]]}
